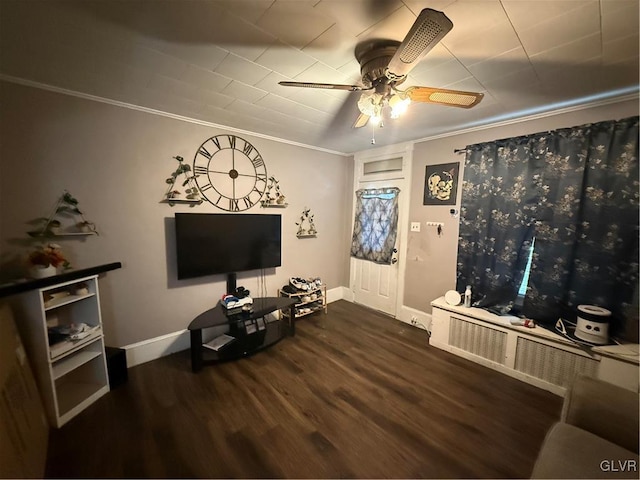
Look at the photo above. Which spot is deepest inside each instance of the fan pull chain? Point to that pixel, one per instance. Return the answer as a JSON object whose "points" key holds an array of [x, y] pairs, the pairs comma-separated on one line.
{"points": [[373, 134]]}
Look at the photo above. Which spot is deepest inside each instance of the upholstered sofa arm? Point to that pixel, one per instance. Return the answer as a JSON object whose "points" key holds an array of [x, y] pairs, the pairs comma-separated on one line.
{"points": [[604, 409]]}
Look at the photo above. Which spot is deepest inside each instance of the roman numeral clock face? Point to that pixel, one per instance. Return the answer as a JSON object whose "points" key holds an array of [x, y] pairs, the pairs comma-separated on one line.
{"points": [[230, 173]]}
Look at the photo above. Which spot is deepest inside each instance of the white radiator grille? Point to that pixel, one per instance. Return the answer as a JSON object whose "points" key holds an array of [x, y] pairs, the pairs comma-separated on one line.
{"points": [[551, 364], [477, 339]]}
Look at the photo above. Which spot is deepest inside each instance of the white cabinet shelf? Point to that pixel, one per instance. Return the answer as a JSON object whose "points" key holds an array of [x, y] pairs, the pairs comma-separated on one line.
{"points": [[61, 349], [82, 355], [71, 374], [59, 302]]}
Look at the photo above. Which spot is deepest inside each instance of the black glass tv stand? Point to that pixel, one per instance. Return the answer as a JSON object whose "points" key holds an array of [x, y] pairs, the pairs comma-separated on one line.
{"points": [[250, 331]]}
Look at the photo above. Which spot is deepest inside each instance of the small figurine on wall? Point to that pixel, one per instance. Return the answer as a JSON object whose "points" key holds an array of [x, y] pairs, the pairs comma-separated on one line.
{"points": [[312, 228], [306, 218]]}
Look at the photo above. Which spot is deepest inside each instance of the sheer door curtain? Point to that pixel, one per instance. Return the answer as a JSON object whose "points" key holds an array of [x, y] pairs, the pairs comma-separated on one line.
{"points": [[375, 225]]}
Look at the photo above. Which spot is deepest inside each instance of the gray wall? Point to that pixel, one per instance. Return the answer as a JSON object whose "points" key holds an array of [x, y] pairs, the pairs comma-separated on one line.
{"points": [[115, 161], [431, 260]]}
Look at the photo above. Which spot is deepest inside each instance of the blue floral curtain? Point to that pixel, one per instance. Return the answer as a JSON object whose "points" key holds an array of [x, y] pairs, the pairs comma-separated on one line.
{"points": [[497, 218], [576, 191], [376, 224]]}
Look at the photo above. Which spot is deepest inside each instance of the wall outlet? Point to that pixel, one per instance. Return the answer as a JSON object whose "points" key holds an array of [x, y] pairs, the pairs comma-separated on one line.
{"points": [[414, 320], [415, 226]]}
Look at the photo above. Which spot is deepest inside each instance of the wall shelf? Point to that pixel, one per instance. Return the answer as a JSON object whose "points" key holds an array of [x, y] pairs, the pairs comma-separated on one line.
{"points": [[52, 226], [61, 234], [181, 201], [274, 205], [306, 227]]}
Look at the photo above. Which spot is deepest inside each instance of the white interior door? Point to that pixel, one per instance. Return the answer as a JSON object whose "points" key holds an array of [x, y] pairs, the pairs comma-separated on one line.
{"points": [[381, 286], [376, 285]]}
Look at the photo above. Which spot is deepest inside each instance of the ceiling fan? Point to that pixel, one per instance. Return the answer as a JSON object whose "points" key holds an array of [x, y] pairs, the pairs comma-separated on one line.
{"points": [[384, 66]]}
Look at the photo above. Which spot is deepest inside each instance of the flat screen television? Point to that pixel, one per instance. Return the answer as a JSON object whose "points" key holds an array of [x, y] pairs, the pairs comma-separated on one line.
{"points": [[216, 243]]}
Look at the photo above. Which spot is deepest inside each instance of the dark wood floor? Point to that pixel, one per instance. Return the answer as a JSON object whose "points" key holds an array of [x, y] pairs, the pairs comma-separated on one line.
{"points": [[354, 394]]}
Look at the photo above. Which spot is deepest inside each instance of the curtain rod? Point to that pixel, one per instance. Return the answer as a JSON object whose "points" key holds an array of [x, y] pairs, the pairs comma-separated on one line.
{"points": [[460, 150]]}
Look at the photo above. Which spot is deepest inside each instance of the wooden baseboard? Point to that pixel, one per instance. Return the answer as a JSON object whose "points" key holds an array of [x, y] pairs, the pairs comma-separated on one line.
{"points": [[157, 347]]}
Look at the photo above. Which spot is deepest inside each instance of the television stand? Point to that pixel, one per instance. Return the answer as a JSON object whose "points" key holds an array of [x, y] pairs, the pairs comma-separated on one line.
{"points": [[250, 331]]}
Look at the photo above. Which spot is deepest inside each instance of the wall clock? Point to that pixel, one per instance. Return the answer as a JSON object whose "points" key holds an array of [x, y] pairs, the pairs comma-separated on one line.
{"points": [[230, 173]]}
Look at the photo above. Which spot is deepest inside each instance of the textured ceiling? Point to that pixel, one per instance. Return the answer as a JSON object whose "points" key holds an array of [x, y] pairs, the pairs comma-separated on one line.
{"points": [[221, 61]]}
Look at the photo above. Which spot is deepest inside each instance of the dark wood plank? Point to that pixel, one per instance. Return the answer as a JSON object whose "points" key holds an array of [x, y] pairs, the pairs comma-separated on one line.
{"points": [[355, 394]]}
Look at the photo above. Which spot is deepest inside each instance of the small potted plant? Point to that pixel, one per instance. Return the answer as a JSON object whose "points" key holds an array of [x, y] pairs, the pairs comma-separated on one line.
{"points": [[54, 227], [86, 226], [273, 195], [45, 261], [312, 228], [192, 194], [279, 198]]}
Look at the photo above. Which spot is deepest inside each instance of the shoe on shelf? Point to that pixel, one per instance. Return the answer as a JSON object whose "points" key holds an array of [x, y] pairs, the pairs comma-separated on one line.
{"points": [[299, 283], [289, 289]]}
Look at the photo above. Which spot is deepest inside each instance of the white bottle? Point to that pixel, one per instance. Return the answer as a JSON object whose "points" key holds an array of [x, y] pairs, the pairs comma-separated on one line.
{"points": [[467, 296]]}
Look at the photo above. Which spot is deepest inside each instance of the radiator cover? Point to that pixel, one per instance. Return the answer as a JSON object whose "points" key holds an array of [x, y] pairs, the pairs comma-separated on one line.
{"points": [[478, 339], [537, 356], [551, 364]]}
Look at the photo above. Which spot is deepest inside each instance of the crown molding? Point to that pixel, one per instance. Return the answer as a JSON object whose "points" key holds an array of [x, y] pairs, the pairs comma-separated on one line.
{"points": [[152, 111], [583, 103]]}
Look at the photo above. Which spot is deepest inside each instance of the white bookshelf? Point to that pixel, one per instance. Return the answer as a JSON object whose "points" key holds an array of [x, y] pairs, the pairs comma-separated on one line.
{"points": [[71, 375]]}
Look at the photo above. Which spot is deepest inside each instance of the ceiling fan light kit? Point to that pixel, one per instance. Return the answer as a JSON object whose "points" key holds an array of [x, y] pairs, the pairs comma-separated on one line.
{"points": [[385, 64], [399, 103]]}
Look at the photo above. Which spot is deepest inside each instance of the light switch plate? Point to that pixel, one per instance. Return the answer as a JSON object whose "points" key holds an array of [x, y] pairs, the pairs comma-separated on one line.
{"points": [[415, 226]]}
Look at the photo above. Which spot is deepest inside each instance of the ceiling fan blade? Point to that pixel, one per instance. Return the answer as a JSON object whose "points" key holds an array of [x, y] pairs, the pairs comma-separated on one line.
{"points": [[326, 86], [428, 29], [361, 121], [442, 96]]}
